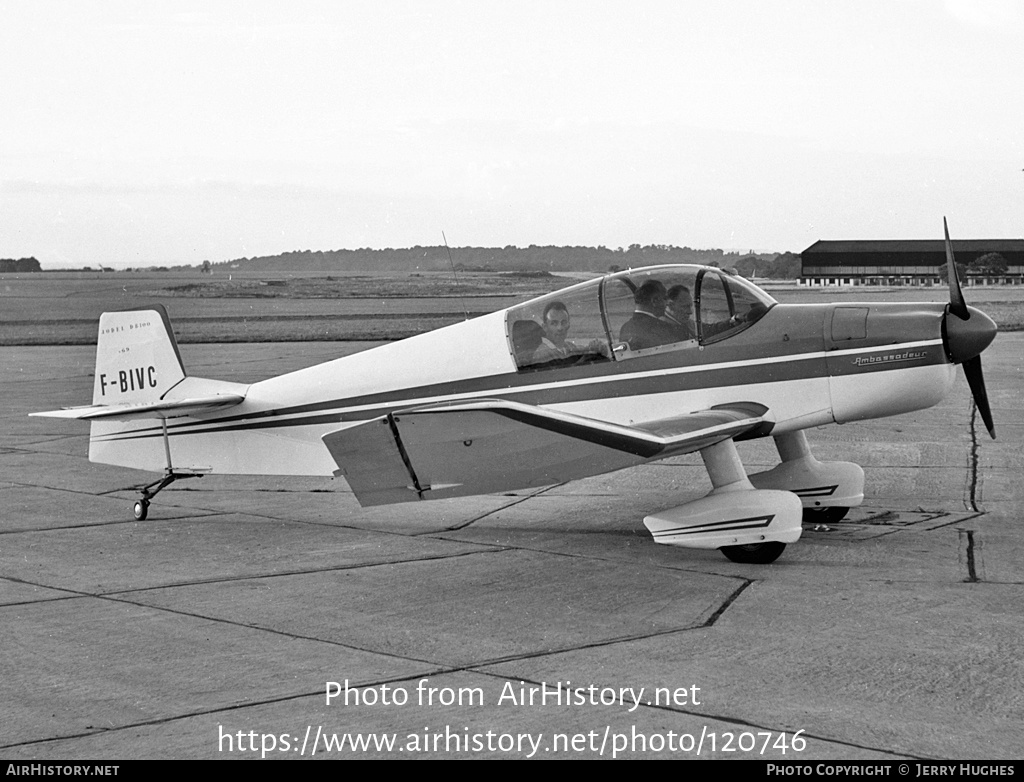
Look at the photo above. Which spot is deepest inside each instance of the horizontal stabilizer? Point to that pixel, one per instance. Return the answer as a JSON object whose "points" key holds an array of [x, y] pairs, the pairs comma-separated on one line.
{"points": [[191, 396], [164, 409]]}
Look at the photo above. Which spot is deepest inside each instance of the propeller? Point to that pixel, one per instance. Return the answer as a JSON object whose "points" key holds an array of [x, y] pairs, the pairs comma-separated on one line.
{"points": [[968, 331]]}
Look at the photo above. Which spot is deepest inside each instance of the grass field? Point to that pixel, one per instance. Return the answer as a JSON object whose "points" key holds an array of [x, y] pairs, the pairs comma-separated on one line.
{"points": [[62, 308]]}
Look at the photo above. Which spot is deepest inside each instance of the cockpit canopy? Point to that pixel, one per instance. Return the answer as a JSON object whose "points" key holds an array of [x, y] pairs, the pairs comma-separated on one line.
{"points": [[631, 314]]}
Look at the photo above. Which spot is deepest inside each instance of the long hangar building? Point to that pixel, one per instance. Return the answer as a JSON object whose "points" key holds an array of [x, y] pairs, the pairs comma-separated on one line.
{"points": [[905, 262]]}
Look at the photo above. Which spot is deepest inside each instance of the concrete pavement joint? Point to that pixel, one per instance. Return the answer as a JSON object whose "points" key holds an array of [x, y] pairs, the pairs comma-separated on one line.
{"points": [[115, 594], [219, 710], [285, 574], [951, 522], [709, 622], [474, 667], [503, 507], [732, 721], [202, 514], [71, 594], [728, 602], [261, 628], [695, 569], [209, 513]]}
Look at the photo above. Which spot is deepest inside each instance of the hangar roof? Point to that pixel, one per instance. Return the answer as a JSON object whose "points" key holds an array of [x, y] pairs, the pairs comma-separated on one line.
{"points": [[916, 246]]}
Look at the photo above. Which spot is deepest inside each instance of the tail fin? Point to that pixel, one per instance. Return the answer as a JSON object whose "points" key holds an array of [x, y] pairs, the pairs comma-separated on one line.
{"points": [[139, 373], [137, 358]]}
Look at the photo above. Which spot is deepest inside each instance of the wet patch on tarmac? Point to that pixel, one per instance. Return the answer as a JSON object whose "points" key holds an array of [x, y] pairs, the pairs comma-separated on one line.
{"points": [[864, 523]]}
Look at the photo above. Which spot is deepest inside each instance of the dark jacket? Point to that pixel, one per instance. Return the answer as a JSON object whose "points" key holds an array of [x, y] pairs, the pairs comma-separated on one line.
{"points": [[646, 331]]}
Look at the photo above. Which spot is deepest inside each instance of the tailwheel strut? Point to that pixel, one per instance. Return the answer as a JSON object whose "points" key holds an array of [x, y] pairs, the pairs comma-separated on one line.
{"points": [[141, 507]]}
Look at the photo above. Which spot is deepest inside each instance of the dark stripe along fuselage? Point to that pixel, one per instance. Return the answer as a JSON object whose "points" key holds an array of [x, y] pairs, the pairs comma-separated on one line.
{"points": [[791, 342]]}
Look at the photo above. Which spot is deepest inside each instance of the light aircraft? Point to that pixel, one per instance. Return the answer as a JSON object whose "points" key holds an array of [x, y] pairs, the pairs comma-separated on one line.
{"points": [[498, 403]]}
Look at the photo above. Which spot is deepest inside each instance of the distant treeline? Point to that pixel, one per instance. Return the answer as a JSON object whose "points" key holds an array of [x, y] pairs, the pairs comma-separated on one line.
{"points": [[532, 258], [19, 265]]}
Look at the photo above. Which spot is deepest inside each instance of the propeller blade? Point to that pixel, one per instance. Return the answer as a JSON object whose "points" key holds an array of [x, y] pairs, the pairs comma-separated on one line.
{"points": [[957, 305], [975, 379]]}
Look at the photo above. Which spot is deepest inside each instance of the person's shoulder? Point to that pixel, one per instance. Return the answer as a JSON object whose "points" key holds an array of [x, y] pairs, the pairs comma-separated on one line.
{"points": [[544, 354], [641, 319]]}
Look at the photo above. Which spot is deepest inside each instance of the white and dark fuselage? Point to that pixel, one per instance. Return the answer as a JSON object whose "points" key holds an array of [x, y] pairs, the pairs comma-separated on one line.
{"points": [[806, 365], [635, 366]]}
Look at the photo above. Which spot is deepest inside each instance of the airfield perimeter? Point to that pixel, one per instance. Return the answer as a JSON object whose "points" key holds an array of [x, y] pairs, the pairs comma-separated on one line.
{"points": [[893, 634]]}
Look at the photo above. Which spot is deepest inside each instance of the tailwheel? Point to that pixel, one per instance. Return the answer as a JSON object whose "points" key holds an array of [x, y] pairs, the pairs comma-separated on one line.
{"points": [[141, 507], [754, 553], [824, 515]]}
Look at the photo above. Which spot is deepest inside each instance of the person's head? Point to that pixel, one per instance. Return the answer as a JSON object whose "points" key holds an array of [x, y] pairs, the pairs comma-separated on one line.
{"points": [[526, 336], [680, 305], [650, 297], [556, 322]]}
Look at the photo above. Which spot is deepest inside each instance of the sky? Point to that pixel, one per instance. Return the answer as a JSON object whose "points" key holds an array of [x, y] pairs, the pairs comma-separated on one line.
{"points": [[172, 132]]}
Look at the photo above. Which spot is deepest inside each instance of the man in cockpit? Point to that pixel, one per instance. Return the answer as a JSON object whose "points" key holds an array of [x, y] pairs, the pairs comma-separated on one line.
{"points": [[646, 329], [554, 344], [679, 312]]}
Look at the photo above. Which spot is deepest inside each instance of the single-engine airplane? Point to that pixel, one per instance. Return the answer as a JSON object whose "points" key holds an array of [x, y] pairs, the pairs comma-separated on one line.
{"points": [[589, 379]]}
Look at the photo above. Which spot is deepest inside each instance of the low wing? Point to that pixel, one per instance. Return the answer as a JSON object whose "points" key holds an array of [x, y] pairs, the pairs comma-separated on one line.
{"points": [[496, 445]]}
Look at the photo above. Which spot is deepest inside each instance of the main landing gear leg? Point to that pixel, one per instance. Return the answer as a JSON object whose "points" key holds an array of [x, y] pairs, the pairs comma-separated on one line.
{"points": [[141, 508], [747, 524], [827, 489]]}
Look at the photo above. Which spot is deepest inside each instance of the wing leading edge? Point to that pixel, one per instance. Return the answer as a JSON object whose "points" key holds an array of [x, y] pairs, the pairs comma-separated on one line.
{"points": [[494, 445]]}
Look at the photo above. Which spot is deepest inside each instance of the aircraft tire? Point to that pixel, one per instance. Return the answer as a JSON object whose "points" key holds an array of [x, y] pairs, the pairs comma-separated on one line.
{"points": [[824, 515], [141, 510], [754, 553]]}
